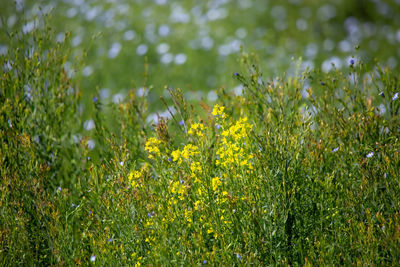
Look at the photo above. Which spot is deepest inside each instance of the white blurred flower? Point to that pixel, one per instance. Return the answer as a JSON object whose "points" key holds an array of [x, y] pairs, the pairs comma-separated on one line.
{"points": [[91, 144], [118, 98], [142, 49], [212, 96], [163, 30], [87, 71], [162, 48], [129, 35], [180, 59], [114, 50], [167, 58], [89, 125]]}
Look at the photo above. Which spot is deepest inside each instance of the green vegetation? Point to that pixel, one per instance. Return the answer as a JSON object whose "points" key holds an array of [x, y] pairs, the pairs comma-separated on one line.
{"points": [[194, 45], [301, 169]]}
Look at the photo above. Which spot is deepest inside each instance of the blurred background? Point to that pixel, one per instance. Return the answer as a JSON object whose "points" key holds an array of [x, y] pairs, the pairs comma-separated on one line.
{"points": [[118, 45]]}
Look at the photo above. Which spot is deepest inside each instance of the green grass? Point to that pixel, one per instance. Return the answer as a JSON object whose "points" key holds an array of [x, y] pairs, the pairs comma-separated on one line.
{"points": [[209, 34], [300, 169]]}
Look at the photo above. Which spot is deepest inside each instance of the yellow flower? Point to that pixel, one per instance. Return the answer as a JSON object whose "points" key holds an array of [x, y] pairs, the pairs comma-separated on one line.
{"points": [[196, 169], [189, 150], [231, 149], [176, 156], [200, 191], [218, 111], [215, 183], [151, 146], [178, 188], [188, 216], [196, 129], [134, 174], [197, 205]]}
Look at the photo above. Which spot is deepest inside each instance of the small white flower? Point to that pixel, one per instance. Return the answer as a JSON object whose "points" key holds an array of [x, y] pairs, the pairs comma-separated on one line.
{"points": [[335, 149], [370, 155], [92, 258], [121, 163], [396, 95]]}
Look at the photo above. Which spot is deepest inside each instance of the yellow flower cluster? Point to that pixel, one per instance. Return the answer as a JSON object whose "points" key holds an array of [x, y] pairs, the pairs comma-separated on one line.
{"points": [[215, 183], [196, 170], [134, 174], [202, 199], [189, 216], [232, 146], [196, 129], [178, 188], [218, 111], [238, 130], [152, 146], [188, 151]]}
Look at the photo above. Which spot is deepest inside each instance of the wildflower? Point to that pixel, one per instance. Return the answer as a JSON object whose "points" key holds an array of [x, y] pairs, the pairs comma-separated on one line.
{"points": [[370, 155], [205, 262], [136, 175], [189, 150], [121, 163], [178, 188], [176, 155], [109, 240], [181, 123], [382, 94], [95, 99], [218, 111], [196, 169], [218, 126], [196, 129], [200, 191], [335, 149], [150, 214], [152, 147], [169, 159], [238, 256], [396, 95], [231, 151], [188, 216], [235, 73], [92, 258], [238, 130], [352, 61], [197, 204], [215, 183], [59, 188]]}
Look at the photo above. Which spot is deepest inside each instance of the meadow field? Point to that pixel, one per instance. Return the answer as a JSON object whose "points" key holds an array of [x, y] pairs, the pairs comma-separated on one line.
{"points": [[185, 133]]}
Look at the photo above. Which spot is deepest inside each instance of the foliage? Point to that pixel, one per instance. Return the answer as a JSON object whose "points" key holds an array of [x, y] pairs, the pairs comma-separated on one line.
{"points": [[194, 45], [298, 170]]}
